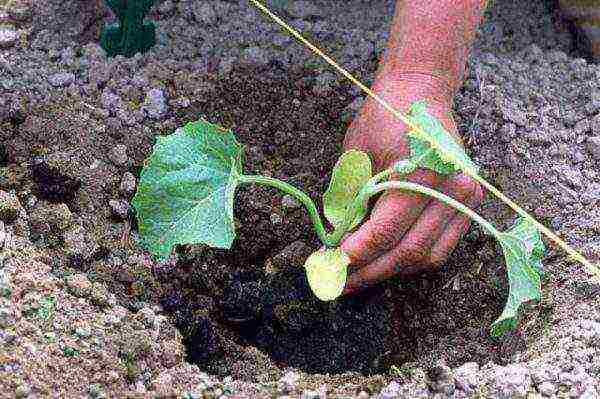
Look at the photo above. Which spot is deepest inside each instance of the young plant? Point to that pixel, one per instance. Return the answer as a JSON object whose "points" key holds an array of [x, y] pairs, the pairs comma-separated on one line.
{"points": [[131, 35], [186, 195]]}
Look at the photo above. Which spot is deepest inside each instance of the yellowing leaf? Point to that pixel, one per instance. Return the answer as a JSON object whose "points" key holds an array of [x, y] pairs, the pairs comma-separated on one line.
{"points": [[326, 272], [351, 172]]}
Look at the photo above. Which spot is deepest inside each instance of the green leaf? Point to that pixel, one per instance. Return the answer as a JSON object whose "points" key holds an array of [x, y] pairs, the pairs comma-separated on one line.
{"points": [[326, 272], [186, 191], [446, 150], [523, 249], [351, 172]]}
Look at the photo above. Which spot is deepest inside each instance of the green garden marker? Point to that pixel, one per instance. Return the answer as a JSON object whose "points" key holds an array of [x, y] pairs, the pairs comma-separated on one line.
{"points": [[131, 34]]}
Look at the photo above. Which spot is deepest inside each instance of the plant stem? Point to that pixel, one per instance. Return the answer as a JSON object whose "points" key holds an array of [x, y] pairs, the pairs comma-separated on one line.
{"points": [[402, 185], [308, 203]]}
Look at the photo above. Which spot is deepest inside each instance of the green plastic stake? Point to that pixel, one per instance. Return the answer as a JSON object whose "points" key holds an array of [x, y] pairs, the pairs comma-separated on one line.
{"points": [[131, 34]]}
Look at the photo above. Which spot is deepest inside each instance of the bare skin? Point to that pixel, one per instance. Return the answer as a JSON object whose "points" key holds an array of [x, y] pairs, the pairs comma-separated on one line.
{"points": [[408, 233]]}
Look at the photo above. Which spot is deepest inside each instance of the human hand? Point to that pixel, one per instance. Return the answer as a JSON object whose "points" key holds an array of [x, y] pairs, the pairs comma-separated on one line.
{"points": [[407, 233]]}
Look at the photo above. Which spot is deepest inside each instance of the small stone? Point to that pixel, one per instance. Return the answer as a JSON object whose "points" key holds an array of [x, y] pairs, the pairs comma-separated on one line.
{"points": [[2, 239], [96, 391], [441, 379], [9, 207], [590, 393], [147, 316], [155, 104], [593, 146], [99, 294], [226, 65], [571, 176], [61, 79], [255, 56], [78, 243], [127, 186], [79, 285], [119, 208], [547, 388], [302, 9], [118, 155], [8, 36], [582, 127], [323, 83], [391, 390], [19, 10], [309, 394], [512, 381], [166, 7], [82, 332], [22, 391], [7, 319], [289, 381], [290, 202], [111, 101]]}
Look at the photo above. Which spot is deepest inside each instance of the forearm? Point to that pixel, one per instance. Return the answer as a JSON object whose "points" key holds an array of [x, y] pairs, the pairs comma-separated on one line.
{"points": [[431, 40]]}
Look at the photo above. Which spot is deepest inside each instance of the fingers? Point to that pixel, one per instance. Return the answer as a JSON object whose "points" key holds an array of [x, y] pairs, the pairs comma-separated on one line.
{"points": [[431, 238], [392, 216]]}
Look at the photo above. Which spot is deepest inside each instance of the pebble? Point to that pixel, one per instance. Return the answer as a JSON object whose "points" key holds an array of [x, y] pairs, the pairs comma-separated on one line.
{"points": [[593, 147], [255, 57], [99, 295], [2, 235], [302, 9], [9, 207], [147, 316], [111, 101], [79, 285], [289, 381], [7, 319], [155, 104], [22, 391], [512, 381], [288, 201], [128, 183], [19, 10], [391, 390], [547, 388], [166, 7], [61, 79], [8, 36], [78, 243], [119, 208], [118, 155]]}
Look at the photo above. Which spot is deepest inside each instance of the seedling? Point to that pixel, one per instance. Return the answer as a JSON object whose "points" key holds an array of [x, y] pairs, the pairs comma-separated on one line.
{"points": [[186, 195], [131, 34]]}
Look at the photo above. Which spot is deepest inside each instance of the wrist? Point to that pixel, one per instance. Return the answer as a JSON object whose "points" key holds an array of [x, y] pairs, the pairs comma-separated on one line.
{"points": [[433, 39], [400, 90]]}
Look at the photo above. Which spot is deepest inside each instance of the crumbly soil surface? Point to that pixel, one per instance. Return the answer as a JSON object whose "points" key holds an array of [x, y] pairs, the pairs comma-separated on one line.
{"points": [[85, 312]]}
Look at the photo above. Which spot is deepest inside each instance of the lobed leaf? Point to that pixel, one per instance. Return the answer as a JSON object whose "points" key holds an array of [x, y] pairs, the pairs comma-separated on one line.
{"points": [[523, 249], [186, 191], [445, 147], [326, 271], [350, 173]]}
